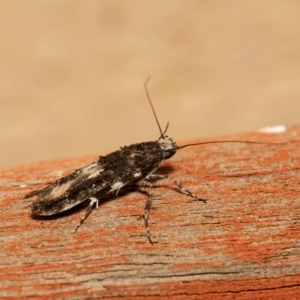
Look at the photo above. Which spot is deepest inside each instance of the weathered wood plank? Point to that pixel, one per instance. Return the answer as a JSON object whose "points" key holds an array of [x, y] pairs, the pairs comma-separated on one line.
{"points": [[244, 243]]}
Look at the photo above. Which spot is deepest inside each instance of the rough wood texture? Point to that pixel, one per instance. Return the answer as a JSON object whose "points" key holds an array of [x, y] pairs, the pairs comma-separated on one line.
{"points": [[244, 243]]}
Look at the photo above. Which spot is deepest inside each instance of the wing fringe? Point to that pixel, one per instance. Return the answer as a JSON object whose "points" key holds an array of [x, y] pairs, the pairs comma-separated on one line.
{"points": [[32, 193]]}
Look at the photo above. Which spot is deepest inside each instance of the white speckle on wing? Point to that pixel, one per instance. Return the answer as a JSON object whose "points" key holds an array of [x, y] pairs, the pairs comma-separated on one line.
{"points": [[59, 190], [95, 174], [92, 165], [273, 129], [138, 174], [117, 186]]}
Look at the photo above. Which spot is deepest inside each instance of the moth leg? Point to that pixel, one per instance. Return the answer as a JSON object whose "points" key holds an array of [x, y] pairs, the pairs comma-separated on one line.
{"points": [[182, 188], [146, 211], [88, 211], [145, 214]]}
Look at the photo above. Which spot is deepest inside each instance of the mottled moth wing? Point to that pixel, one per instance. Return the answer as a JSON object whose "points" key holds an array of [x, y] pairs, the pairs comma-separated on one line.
{"points": [[69, 191], [99, 179]]}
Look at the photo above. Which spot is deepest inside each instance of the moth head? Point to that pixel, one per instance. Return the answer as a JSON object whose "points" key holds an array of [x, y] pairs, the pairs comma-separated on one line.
{"points": [[168, 146]]}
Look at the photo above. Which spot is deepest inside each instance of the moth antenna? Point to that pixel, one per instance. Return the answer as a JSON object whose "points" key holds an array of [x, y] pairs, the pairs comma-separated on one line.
{"points": [[164, 132], [147, 93], [215, 142], [166, 128]]}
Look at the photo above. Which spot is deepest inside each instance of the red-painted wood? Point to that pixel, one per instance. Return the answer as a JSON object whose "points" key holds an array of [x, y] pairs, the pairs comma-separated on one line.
{"points": [[244, 243]]}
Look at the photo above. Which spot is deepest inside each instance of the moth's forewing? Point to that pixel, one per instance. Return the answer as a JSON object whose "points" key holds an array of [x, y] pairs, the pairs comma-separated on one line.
{"points": [[99, 179], [69, 191]]}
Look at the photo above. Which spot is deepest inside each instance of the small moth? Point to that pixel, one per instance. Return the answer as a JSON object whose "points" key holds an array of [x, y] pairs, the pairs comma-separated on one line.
{"points": [[131, 165]]}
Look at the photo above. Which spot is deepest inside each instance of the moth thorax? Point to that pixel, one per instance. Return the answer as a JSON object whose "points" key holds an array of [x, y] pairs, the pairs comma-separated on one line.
{"points": [[168, 146]]}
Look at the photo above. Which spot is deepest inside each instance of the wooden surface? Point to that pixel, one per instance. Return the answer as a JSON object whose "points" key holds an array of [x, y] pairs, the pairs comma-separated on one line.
{"points": [[243, 243]]}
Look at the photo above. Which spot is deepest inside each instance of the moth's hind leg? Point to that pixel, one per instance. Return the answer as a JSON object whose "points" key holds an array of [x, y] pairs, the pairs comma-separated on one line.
{"points": [[148, 202], [182, 188], [146, 211], [145, 214], [88, 211]]}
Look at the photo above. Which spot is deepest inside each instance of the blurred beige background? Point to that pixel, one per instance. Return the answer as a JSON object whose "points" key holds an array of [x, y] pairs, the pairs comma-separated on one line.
{"points": [[72, 72]]}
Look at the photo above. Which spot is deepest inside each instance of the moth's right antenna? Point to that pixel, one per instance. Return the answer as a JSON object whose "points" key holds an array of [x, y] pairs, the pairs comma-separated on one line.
{"points": [[147, 93]]}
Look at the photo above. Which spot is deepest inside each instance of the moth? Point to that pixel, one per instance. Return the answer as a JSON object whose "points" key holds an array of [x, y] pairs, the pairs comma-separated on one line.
{"points": [[131, 165]]}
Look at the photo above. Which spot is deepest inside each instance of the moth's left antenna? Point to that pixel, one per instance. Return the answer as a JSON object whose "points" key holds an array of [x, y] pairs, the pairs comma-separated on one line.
{"points": [[147, 93]]}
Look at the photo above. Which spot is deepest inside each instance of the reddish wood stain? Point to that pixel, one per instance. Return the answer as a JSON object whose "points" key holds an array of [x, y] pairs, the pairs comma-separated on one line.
{"points": [[243, 243]]}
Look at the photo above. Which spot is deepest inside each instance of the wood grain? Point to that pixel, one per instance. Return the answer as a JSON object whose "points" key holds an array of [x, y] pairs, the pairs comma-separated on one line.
{"points": [[243, 243]]}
